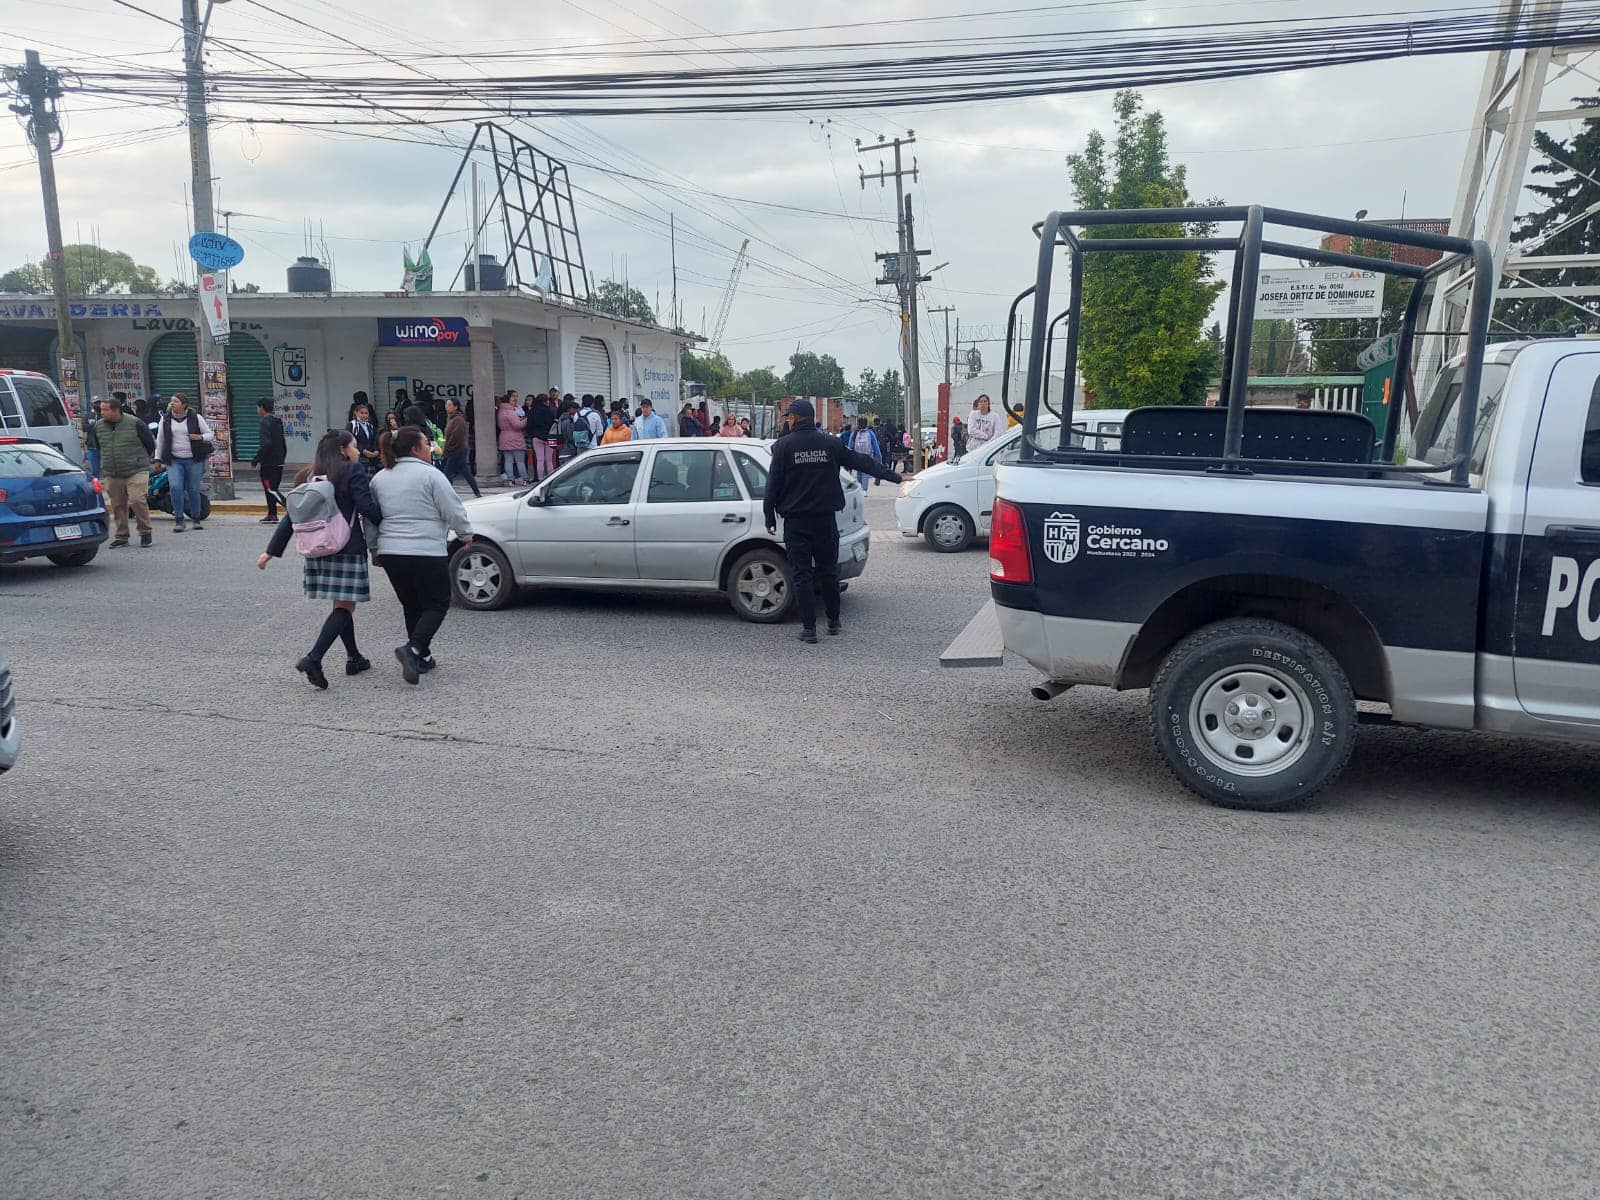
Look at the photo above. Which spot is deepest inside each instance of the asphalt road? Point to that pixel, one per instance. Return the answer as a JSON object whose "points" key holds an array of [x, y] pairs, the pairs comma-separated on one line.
{"points": [[633, 899]]}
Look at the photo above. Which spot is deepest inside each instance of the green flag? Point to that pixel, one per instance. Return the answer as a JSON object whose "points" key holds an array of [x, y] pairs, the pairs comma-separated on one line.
{"points": [[419, 274]]}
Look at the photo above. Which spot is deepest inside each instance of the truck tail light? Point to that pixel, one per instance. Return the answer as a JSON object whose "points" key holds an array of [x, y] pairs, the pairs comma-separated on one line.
{"points": [[1009, 561]]}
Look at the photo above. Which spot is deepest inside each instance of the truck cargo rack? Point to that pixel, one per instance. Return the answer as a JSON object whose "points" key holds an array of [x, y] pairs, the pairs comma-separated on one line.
{"points": [[1056, 231]]}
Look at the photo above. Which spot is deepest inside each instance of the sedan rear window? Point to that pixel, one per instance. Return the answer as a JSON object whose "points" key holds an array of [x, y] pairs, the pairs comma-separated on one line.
{"points": [[31, 462]]}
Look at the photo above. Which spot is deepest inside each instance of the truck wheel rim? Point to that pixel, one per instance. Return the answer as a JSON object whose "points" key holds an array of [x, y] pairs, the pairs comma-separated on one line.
{"points": [[478, 577], [762, 588], [1252, 721], [947, 529]]}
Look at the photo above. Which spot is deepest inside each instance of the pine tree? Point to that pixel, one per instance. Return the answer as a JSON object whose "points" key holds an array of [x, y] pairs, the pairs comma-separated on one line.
{"points": [[1571, 169], [1143, 312]]}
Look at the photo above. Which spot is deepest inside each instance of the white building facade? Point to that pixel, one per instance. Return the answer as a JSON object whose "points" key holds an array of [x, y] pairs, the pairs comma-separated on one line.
{"points": [[311, 352]]}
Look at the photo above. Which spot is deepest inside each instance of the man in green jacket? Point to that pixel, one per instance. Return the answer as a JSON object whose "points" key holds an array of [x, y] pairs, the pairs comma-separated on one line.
{"points": [[126, 444]]}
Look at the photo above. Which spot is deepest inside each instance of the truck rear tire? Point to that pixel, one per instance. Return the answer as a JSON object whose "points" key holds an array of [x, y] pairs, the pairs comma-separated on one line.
{"points": [[1253, 714]]}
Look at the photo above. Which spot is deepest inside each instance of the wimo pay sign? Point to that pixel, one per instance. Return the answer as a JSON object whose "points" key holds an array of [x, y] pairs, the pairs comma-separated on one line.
{"points": [[1319, 293]]}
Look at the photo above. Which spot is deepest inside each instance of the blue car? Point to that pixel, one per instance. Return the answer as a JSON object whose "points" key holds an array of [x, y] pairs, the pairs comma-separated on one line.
{"points": [[49, 508]]}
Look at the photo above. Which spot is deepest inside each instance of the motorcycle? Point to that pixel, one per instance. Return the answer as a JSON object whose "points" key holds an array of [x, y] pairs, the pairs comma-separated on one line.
{"points": [[159, 496]]}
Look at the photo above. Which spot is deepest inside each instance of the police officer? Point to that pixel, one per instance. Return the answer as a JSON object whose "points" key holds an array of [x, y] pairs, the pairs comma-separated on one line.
{"points": [[803, 488]]}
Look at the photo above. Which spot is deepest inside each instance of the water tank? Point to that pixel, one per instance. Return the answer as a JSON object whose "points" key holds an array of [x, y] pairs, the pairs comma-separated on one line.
{"points": [[493, 272], [309, 275]]}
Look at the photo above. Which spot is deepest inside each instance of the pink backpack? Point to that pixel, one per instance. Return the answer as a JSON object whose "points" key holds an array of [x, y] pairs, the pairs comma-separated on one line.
{"points": [[320, 529]]}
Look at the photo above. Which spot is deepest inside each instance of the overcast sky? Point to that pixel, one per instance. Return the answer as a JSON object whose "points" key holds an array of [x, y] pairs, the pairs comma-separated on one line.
{"points": [[1379, 137]]}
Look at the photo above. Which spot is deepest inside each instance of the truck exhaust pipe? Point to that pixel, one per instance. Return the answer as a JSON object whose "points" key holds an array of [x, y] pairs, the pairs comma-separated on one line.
{"points": [[1048, 690]]}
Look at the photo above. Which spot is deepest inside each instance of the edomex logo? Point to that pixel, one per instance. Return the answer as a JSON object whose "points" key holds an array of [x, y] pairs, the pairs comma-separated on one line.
{"points": [[1061, 537]]}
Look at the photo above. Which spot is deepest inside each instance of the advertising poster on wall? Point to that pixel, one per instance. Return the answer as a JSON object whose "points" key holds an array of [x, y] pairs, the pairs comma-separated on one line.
{"points": [[214, 408], [124, 371], [71, 392]]}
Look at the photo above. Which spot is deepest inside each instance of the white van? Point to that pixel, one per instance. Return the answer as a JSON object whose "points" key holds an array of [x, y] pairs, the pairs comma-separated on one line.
{"points": [[30, 406], [949, 504]]}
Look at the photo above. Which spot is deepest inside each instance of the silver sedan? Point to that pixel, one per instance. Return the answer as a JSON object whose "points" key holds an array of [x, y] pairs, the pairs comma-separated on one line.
{"points": [[669, 515]]}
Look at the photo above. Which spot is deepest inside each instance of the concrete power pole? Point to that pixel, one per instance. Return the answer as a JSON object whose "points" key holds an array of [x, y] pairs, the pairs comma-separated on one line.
{"points": [[194, 32], [40, 89], [903, 273]]}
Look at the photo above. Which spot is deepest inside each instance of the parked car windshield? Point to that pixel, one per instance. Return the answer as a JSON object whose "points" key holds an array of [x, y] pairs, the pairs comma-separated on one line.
{"points": [[32, 462]]}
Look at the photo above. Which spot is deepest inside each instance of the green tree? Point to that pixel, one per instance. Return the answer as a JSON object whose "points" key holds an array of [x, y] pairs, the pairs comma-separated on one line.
{"points": [[1570, 167], [94, 271], [1275, 349], [621, 301], [761, 383], [244, 288], [30, 279], [1142, 312], [811, 374], [713, 370], [1336, 343], [879, 395]]}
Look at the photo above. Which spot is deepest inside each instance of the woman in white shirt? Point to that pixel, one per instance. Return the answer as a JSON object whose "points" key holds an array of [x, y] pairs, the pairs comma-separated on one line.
{"points": [[183, 444], [982, 425]]}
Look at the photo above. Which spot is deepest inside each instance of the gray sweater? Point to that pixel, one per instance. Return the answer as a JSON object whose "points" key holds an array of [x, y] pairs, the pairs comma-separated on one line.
{"points": [[420, 508]]}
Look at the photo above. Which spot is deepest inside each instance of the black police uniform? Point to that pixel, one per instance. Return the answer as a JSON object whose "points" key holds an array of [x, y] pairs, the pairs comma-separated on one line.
{"points": [[804, 488]]}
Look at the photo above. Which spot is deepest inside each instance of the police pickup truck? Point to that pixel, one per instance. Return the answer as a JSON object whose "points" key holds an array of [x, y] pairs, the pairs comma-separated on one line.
{"points": [[1261, 570]]}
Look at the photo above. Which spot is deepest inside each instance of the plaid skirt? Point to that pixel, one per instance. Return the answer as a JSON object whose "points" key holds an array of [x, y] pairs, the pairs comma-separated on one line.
{"points": [[338, 577]]}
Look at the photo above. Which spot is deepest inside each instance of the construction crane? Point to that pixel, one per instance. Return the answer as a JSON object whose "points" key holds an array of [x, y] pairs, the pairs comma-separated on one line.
{"points": [[727, 296]]}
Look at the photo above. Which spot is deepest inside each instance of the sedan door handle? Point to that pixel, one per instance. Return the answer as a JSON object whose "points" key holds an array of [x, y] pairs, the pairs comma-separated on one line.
{"points": [[1586, 534], [617, 521], [734, 519]]}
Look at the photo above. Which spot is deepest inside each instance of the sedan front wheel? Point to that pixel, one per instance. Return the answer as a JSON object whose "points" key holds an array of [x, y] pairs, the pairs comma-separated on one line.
{"points": [[480, 577]]}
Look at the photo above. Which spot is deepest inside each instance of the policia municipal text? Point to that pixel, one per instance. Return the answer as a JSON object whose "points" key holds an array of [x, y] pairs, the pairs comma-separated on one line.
{"points": [[804, 489]]}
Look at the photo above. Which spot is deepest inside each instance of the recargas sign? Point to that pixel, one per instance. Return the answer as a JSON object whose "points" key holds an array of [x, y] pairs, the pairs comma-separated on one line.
{"points": [[422, 331]]}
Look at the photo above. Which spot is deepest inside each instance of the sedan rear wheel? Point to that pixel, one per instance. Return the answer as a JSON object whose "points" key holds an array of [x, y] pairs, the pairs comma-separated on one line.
{"points": [[480, 576], [760, 587]]}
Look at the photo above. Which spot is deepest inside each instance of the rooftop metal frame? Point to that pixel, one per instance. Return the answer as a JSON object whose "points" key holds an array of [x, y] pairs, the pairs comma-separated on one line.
{"points": [[1057, 231]]}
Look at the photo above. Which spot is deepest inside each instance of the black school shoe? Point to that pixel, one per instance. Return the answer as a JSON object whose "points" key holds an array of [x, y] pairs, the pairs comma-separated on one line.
{"points": [[357, 665], [427, 664], [808, 635], [144, 541], [834, 626], [410, 664], [312, 670]]}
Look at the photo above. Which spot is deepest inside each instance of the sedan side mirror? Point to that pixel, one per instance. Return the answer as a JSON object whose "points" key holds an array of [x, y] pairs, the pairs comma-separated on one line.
{"points": [[535, 497]]}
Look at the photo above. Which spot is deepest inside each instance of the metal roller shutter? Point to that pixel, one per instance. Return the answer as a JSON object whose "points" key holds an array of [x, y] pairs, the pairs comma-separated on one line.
{"points": [[173, 363], [249, 380], [593, 368]]}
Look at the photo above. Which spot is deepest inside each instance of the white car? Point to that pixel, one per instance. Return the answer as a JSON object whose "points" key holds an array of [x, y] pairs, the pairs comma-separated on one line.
{"points": [[666, 515], [949, 504]]}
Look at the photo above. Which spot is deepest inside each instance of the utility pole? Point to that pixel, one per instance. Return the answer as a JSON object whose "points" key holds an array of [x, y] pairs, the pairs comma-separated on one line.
{"points": [[210, 349], [40, 89], [903, 273], [946, 310], [199, 144]]}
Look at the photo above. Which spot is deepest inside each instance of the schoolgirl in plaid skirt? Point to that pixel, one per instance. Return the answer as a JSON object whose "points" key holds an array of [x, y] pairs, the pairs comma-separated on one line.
{"points": [[342, 578]]}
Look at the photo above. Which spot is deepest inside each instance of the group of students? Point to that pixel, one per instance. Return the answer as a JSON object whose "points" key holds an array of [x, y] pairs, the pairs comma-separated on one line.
{"points": [[880, 440], [402, 518], [536, 435]]}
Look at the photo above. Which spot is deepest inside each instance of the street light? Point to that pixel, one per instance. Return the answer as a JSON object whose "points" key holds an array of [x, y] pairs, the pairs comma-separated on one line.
{"points": [[205, 22]]}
